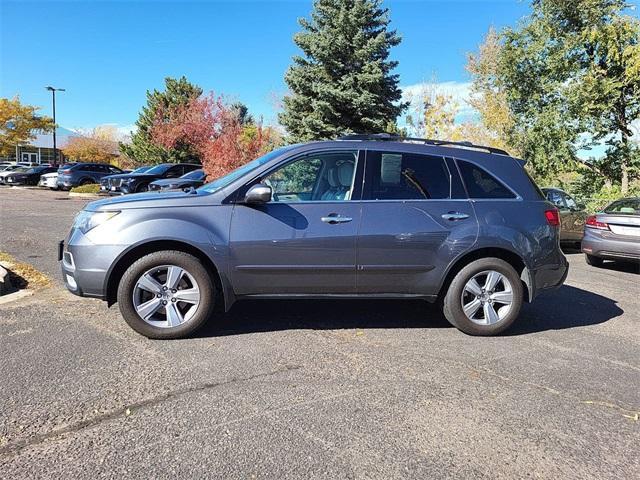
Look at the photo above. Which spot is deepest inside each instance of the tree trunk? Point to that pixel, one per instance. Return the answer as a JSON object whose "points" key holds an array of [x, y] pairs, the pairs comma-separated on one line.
{"points": [[624, 187]]}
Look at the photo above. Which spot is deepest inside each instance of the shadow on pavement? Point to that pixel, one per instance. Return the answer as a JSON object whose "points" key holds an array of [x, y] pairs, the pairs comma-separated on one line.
{"points": [[567, 307]]}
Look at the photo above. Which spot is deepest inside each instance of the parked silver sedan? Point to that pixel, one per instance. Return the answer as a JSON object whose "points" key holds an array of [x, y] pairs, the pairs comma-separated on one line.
{"points": [[614, 233]]}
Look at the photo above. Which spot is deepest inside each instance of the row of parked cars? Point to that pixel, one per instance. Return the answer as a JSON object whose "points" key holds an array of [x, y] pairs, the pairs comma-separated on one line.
{"points": [[112, 180]]}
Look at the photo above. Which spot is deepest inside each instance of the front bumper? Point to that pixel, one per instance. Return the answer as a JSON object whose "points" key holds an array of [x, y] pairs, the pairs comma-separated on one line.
{"points": [[85, 266]]}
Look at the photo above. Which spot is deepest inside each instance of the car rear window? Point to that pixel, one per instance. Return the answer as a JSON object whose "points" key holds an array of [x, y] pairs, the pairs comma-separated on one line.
{"points": [[481, 184], [626, 206]]}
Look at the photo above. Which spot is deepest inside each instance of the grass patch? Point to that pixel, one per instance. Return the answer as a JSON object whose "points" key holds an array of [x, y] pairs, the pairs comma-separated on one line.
{"points": [[89, 188], [23, 275]]}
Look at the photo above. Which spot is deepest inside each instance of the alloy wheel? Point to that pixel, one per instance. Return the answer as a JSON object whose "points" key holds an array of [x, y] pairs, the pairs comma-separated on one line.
{"points": [[166, 296], [487, 297]]}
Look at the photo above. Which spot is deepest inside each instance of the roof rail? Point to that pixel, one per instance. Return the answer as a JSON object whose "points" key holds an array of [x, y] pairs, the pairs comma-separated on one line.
{"points": [[439, 143]]}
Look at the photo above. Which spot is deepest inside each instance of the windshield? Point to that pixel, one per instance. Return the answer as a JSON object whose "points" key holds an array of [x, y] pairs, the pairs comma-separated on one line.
{"points": [[158, 169], [230, 177], [626, 206], [141, 169], [20, 169], [195, 175]]}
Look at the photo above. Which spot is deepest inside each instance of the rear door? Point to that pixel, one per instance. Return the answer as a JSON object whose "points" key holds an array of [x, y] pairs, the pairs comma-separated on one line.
{"points": [[415, 219]]}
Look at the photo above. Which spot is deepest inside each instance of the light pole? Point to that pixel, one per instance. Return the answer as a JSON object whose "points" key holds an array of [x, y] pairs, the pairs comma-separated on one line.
{"points": [[53, 95]]}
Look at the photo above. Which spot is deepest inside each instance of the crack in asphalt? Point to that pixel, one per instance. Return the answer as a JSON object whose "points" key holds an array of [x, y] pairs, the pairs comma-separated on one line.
{"points": [[21, 444]]}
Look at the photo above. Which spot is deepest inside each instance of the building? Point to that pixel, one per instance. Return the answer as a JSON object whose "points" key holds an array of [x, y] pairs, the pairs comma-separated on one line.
{"points": [[40, 149]]}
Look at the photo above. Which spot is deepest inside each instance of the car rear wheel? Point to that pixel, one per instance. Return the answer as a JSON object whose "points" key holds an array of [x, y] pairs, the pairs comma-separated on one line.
{"points": [[167, 294], [593, 261], [484, 297], [85, 181]]}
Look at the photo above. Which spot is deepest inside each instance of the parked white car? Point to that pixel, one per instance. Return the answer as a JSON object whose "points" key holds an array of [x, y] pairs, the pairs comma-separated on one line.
{"points": [[49, 180]]}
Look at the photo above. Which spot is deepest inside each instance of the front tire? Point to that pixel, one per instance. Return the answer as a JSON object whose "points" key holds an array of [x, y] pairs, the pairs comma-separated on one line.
{"points": [[484, 297], [167, 294], [592, 260]]}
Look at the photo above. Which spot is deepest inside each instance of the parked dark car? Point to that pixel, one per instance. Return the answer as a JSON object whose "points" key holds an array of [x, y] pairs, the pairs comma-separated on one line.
{"points": [[614, 233], [139, 182], [73, 175], [28, 176], [573, 215], [111, 183], [195, 179], [369, 216]]}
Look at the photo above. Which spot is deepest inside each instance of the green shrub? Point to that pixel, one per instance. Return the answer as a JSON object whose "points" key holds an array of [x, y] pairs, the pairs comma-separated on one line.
{"points": [[89, 188]]}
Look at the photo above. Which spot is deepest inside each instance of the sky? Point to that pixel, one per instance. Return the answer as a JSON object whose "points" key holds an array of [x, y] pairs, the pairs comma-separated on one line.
{"points": [[107, 54]]}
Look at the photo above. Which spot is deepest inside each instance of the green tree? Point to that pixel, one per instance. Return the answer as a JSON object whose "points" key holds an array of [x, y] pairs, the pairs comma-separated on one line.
{"points": [[343, 82], [142, 148], [571, 73], [19, 124]]}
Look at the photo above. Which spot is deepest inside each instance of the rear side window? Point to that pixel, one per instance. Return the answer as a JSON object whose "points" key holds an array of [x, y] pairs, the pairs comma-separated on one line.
{"points": [[481, 184], [405, 176]]}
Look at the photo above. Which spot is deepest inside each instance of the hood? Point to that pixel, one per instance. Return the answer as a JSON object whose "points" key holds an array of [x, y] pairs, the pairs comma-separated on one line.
{"points": [[155, 199]]}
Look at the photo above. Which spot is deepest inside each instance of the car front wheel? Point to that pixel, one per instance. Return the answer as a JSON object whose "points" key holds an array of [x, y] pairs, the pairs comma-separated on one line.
{"points": [[484, 297], [167, 294]]}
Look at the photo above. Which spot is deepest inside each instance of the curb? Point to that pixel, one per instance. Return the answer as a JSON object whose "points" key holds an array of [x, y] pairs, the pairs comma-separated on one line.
{"points": [[84, 195], [5, 283]]}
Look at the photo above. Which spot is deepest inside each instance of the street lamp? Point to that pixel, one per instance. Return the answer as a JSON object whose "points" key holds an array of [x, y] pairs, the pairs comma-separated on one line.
{"points": [[53, 95]]}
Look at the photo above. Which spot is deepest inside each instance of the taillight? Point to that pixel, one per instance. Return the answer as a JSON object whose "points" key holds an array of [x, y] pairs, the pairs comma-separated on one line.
{"points": [[592, 222], [553, 217]]}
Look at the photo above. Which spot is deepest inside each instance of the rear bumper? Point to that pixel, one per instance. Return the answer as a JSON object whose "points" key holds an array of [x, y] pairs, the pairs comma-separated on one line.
{"points": [[548, 277], [599, 246]]}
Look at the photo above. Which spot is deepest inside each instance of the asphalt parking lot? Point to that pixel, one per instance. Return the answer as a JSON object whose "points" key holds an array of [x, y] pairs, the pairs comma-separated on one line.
{"points": [[310, 389]]}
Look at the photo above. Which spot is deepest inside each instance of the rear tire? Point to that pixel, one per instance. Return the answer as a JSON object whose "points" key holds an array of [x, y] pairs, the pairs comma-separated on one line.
{"points": [[495, 282], [135, 298], [593, 261], [85, 181]]}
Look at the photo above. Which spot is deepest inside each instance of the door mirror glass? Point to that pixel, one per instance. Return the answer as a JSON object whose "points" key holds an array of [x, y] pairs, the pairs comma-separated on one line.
{"points": [[259, 193]]}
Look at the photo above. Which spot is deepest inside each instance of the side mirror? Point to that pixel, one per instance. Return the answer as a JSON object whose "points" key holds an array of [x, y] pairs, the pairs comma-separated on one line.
{"points": [[259, 193]]}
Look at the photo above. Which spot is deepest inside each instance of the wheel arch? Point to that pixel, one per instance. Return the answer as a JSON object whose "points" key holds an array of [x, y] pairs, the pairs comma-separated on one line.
{"points": [[125, 260], [509, 256]]}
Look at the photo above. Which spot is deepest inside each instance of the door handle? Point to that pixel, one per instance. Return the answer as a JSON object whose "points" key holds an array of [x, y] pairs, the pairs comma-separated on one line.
{"points": [[454, 216], [333, 219]]}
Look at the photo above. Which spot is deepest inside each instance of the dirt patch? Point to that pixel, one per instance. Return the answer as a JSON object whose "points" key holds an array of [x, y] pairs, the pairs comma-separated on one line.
{"points": [[23, 275]]}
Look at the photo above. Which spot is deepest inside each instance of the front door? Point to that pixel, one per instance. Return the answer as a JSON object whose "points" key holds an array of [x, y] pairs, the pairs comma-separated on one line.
{"points": [[304, 240], [415, 220]]}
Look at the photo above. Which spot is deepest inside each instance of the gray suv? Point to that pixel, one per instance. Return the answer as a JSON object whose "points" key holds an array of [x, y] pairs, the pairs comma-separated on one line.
{"points": [[361, 216]]}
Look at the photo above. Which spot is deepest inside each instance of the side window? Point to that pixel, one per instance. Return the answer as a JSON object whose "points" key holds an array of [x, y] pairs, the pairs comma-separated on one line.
{"points": [[481, 184], [317, 177], [406, 176], [555, 197], [113, 169], [175, 172], [571, 203]]}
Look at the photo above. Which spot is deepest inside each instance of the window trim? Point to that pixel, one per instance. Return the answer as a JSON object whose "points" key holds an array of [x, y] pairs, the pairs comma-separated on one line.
{"points": [[405, 200], [516, 196]]}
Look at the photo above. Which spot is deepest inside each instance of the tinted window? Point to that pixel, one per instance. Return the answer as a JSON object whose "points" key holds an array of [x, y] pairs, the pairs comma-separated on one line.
{"points": [[194, 175], [158, 169], [175, 172], [405, 176], [481, 184]]}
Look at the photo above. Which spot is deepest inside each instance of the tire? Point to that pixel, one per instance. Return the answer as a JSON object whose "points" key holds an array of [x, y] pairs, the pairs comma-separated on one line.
{"points": [[142, 188], [191, 316], [593, 261], [85, 181], [508, 285]]}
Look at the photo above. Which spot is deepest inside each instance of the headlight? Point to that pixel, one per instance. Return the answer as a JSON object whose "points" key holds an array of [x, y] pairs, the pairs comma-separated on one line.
{"points": [[86, 221]]}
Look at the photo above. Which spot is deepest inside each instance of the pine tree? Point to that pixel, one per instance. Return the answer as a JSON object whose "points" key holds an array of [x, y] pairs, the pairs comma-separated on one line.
{"points": [[343, 83], [142, 149]]}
